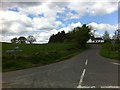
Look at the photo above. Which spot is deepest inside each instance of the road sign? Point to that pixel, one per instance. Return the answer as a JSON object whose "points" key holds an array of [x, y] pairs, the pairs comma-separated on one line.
{"points": [[14, 51]]}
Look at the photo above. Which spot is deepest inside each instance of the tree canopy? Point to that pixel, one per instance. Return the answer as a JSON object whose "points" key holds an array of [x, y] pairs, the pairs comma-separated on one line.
{"points": [[106, 36], [79, 35], [82, 35], [59, 37], [22, 39], [14, 40], [31, 39]]}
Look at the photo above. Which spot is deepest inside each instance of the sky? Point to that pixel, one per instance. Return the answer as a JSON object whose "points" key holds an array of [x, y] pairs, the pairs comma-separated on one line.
{"points": [[42, 19]]}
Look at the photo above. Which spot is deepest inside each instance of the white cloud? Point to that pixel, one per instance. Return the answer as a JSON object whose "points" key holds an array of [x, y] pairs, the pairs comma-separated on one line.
{"points": [[43, 37], [100, 8], [48, 22], [13, 22], [7, 38], [103, 26], [94, 8], [42, 23], [70, 27], [51, 8], [17, 23], [45, 24]]}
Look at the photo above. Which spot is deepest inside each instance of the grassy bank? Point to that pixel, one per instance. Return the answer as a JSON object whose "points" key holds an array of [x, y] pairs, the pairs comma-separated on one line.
{"points": [[108, 51], [36, 55]]}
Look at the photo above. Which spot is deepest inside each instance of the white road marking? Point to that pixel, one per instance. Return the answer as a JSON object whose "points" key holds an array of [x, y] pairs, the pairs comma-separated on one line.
{"points": [[116, 63], [98, 87], [86, 62], [81, 79], [110, 87], [83, 74], [86, 87]]}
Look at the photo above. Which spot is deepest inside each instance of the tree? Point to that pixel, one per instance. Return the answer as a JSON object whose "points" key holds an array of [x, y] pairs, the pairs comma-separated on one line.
{"points": [[52, 39], [62, 36], [106, 36], [79, 35], [31, 39], [22, 40], [14, 40], [82, 35], [59, 37]]}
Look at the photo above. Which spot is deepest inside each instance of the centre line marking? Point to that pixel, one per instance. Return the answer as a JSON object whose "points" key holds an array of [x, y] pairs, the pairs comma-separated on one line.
{"points": [[81, 79], [99, 87], [116, 63], [86, 62], [110, 87]]}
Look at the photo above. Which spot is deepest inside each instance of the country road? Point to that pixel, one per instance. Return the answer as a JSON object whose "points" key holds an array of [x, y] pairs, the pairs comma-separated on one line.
{"points": [[86, 70]]}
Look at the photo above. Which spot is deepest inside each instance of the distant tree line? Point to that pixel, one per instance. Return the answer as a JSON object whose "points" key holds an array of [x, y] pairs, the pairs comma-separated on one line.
{"points": [[23, 40], [79, 35], [59, 37], [116, 36]]}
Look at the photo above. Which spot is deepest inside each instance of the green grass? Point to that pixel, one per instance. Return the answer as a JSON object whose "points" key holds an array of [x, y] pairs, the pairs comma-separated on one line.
{"points": [[109, 52], [36, 55]]}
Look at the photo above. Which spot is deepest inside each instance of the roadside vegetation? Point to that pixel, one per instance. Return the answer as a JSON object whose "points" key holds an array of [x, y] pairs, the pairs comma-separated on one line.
{"points": [[111, 47], [37, 55], [108, 51], [60, 47]]}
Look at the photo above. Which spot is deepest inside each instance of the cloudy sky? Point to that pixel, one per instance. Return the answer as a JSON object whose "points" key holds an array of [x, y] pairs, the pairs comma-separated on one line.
{"points": [[42, 19]]}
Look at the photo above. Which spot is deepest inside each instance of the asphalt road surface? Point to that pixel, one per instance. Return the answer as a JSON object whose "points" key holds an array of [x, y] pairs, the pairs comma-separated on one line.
{"points": [[86, 70]]}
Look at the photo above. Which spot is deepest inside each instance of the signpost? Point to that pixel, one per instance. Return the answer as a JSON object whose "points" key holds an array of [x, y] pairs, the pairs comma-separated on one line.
{"points": [[14, 51]]}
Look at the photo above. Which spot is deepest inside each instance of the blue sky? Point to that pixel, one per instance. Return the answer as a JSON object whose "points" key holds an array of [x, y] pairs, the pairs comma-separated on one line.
{"points": [[108, 18], [111, 18], [42, 19]]}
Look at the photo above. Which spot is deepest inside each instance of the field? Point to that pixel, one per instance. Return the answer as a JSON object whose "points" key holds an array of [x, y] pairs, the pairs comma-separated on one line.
{"points": [[36, 54], [108, 51]]}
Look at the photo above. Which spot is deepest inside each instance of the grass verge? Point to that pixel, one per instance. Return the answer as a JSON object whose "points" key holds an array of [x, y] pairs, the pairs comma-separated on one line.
{"points": [[37, 55], [108, 51]]}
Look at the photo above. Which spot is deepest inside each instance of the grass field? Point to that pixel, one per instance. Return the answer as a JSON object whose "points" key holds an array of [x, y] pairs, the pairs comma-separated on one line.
{"points": [[108, 51], [36, 55]]}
